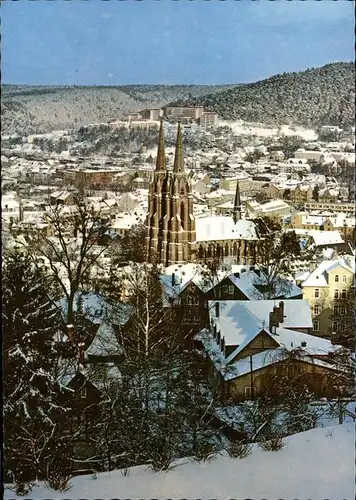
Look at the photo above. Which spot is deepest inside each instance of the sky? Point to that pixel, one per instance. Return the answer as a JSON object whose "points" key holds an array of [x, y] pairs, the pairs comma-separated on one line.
{"points": [[120, 42]]}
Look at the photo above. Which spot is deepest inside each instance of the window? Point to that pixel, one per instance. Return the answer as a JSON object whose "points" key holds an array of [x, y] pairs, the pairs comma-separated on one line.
{"points": [[336, 310], [316, 310], [336, 294], [248, 392], [334, 326], [231, 289], [343, 293], [83, 392], [317, 293], [315, 325], [344, 279], [342, 310], [336, 278]]}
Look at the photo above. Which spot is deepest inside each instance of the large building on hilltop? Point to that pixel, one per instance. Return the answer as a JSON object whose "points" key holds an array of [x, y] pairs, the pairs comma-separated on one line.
{"points": [[174, 236]]}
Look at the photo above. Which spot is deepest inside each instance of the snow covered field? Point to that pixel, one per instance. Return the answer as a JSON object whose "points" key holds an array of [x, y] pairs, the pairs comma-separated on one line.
{"points": [[316, 464]]}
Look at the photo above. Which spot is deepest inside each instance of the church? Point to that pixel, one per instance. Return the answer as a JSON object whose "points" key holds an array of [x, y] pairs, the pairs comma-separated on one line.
{"points": [[174, 236]]}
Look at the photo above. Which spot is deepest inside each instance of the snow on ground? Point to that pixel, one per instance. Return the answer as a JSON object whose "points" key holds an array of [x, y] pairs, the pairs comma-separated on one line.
{"points": [[316, 464], [244, 128]]}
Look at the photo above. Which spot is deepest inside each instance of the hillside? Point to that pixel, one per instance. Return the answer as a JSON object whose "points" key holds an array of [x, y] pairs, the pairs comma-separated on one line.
{"points": [[36, 109], [311, 98], [315, 464]]}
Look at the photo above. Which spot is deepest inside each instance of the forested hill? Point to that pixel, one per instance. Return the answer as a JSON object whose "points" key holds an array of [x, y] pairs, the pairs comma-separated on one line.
{"points": [[35, 109], [317, 96]]}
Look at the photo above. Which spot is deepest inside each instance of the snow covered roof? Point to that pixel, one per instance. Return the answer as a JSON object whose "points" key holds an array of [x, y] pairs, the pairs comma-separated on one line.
{"points": [[184, 274], [105, 342], [218, 227], [320, 276], [322, 238], [248, 280], [239, 321], [97, 309], [287, 339], [101, 375]]}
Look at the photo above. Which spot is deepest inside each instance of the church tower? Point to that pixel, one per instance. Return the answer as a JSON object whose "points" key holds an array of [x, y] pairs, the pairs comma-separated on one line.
{"points": [[170, 222], [236, 215]]}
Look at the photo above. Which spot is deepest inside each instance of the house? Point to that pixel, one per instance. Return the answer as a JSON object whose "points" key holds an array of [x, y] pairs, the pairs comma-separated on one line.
{"points": [[192, 286], [326, 286], [62, 198], [247, 341], [276, 209]]}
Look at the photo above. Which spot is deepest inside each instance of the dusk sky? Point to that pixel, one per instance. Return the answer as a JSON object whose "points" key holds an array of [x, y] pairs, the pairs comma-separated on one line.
{"points": [[170, 42]]}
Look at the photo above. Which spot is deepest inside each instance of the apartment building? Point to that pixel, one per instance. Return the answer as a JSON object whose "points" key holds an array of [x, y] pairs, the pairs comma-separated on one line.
{"points": [[192, 112], [90, 178], [343, 223], [208, 119], [329, 206], [327, 288]]}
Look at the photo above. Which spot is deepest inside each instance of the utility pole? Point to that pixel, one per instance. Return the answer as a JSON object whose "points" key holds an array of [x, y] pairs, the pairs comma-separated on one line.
{"points": [[251, 379]]}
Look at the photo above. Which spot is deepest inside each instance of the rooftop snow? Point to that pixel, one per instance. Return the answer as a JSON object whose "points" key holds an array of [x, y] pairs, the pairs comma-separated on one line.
{"points": [[223, 228]]}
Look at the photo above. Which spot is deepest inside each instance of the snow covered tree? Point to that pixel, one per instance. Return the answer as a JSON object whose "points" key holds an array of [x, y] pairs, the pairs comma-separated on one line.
{"points": [[33, 411], [162, 405], [276, 250]]}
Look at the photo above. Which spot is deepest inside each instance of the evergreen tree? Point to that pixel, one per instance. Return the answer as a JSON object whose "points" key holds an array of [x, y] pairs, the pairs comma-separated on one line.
{"points": [[33, 433]]}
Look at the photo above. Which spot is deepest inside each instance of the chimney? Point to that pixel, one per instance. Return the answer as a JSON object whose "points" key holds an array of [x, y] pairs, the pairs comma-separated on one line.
{"points": [[272, 322], [312, 266], [21, 211], [281, 311], [222, 345], [217, 309], [214, 331], [81, 352], [173, 279], [70, 333]]}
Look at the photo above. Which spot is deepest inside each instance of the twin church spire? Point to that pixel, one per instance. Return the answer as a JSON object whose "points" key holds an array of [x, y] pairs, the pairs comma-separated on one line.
{"points": [[170, 221], [179, 157]]}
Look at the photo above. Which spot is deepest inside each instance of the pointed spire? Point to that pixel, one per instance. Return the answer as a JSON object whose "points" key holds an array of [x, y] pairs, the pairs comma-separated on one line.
{"points": [[237, 204], [161, 158], [178, 159]]}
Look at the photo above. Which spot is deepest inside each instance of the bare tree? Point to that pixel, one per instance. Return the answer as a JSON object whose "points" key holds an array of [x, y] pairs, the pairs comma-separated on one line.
{"points": [[72, 254]]}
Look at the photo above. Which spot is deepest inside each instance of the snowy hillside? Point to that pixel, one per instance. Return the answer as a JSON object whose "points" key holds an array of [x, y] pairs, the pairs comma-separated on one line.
{"points": [[315, 464]]}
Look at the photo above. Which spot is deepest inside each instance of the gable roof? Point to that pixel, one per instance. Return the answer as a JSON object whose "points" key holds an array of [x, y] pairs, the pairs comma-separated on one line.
{"points": [[320, 276], [104, 343], [239, 321], [259, 360], [97, 309], [218, 227]]}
